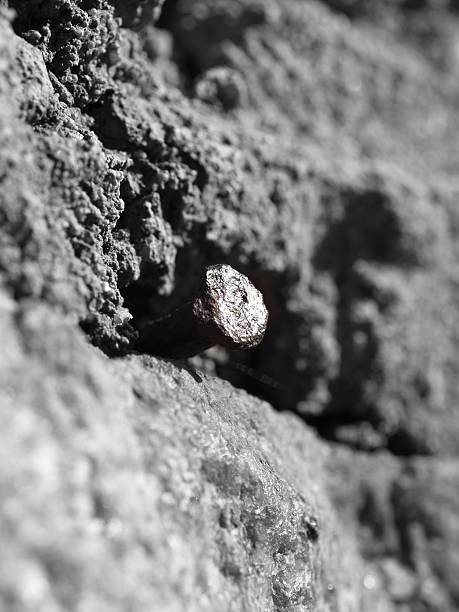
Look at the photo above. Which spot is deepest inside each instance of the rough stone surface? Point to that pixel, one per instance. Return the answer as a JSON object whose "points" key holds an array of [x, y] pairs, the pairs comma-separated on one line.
{"points": [[310, 145], [141, 485]]}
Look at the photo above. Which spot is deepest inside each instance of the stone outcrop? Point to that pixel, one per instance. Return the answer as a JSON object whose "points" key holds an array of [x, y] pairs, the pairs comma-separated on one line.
{"points": [[311, 146]]}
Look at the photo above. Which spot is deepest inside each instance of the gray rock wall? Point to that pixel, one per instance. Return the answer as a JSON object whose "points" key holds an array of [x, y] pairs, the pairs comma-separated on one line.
{"points": [[311, 146]]}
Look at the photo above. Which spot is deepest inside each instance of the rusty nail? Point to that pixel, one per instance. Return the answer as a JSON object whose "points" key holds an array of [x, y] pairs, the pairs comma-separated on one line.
{"points": [[228, 311]]}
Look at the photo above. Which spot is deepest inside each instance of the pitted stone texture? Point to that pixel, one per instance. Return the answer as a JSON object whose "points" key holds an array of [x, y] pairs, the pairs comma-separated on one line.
{"points": [[136, 484], [121, 188]]}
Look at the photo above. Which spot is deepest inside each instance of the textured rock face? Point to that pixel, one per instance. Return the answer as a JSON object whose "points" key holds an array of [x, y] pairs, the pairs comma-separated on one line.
{"points": [[309, 145], [142, 485], [143, 186]]}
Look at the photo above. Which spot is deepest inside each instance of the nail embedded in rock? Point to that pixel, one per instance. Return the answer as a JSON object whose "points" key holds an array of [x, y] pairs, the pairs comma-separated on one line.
{"points": [[228, 311]]}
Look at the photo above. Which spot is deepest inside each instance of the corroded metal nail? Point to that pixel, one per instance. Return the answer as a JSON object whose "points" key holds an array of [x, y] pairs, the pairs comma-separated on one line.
{"points": [[228, 311]]}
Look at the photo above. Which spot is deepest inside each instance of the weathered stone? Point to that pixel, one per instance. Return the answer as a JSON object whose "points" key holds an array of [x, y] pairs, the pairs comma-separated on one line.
{"points": [[144, 484], [314, 152]]}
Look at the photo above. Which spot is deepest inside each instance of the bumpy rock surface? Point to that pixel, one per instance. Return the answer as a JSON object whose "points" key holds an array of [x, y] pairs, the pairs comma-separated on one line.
{"points": [[154, 488], [311, 145]]}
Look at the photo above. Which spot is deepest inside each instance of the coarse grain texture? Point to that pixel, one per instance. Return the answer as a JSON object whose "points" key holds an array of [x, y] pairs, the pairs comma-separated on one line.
{"points": [[330, 183], [112, 470], [309, 145]]}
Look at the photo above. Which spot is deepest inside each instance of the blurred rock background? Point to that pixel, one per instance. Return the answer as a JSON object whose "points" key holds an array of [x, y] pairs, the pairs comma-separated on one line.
{"points": [[311, 145]]}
